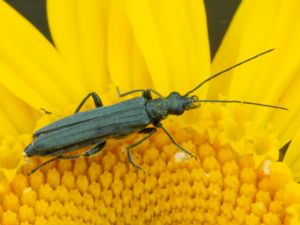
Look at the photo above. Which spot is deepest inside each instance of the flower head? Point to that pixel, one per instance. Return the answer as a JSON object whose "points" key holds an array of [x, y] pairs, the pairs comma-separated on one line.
{"points": [[141, 44]]}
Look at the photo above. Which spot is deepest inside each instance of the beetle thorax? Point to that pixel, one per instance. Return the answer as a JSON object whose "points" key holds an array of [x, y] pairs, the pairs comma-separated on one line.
{"points": [[157, 109]]}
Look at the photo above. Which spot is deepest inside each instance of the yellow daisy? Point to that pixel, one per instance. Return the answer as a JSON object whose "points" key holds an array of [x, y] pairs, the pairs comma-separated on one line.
{"points": [[100, 45]]}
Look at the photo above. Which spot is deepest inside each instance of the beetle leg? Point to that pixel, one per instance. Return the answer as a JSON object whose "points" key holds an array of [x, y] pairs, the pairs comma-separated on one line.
{"points": [[174, 142], [283, 150], [128, 92], [96, 98], [146, 93], [43, 164], [155, 92], [149, 131], [45, 111], [92, 151]]}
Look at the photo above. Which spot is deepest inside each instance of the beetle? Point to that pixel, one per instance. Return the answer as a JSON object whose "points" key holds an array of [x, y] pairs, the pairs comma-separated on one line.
{"points": [[94, 127]]}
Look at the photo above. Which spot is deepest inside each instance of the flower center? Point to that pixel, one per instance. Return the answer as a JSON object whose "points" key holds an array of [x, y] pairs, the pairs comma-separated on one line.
{"points": [[224, 185]]}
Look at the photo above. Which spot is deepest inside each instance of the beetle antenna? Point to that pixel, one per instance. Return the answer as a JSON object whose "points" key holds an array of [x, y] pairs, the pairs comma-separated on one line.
{"points": [[224, 71], [243, 102]]}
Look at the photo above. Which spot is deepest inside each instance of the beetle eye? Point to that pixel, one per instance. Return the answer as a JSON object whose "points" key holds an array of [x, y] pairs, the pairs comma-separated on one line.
{"points": [[195, 98]]}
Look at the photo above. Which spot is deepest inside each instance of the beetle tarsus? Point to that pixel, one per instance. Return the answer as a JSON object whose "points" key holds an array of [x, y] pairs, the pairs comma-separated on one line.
{"points": [[130, 160], [174, 142], [149, 131]]}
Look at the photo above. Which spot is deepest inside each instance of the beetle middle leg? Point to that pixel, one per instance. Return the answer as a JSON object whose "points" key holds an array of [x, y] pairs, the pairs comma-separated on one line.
{"points": [[96, 98], [174, 142], [92, 151], [149, 131], [146, 93]]}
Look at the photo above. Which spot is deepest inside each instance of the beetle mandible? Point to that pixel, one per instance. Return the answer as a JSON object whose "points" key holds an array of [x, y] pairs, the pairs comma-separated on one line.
{"points": [[94, 127]]}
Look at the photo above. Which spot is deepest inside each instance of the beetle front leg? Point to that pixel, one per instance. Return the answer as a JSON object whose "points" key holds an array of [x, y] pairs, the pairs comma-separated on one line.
{"points": [[174, 142], [96, 98], [150, 131]]}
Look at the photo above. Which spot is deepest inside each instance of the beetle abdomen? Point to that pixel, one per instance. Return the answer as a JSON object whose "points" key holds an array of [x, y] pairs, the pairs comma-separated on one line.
{"points": [[90, 127]]}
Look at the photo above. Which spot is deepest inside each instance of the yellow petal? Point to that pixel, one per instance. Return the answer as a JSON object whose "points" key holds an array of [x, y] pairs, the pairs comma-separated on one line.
{"points": [[147, 36], [245, 38], [92, 17], [23, 90], [197, 18], [287, 124], [119, 43], [17, 114], [21, 53], [227, 53], [139, 71], [63, 23], [155, 24], [126, 62], [7, 127], [258, 26]]}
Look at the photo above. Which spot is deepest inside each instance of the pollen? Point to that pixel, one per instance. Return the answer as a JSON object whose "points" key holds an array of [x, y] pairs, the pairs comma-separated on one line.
{"points": [[224, 185]]}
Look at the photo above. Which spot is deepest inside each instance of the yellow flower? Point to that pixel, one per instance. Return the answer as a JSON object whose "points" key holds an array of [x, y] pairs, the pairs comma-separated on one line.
{"points": [[161, 44]]}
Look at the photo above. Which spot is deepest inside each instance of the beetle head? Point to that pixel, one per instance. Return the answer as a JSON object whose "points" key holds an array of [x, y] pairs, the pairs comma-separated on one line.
{"points": [[191, 102], [177, 104]]}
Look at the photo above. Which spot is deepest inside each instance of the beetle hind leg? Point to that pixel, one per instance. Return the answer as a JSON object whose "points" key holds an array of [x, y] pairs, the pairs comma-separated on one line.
{"points": [[42, 165], [91, 152]]}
